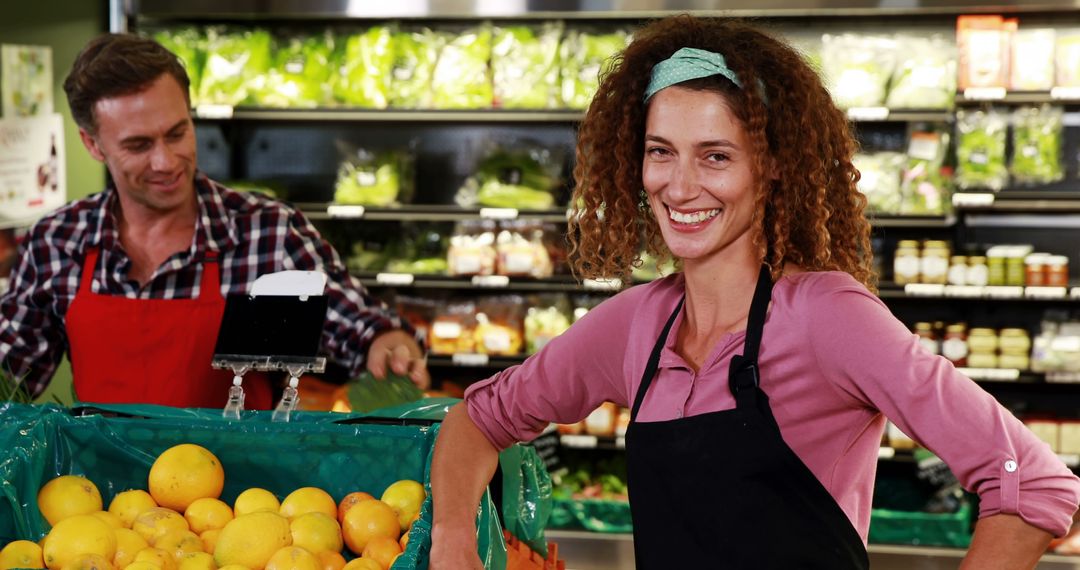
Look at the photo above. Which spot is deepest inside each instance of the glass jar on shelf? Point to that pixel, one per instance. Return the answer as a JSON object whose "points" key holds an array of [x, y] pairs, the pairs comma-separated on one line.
{"points": [[1015, 273], [977, 273], [995, 265], [906, 262], [1014, 340], [927, 338], [958, 269], [1057, 271], [934, 264], [1034, 266], [981, 340], [954, 347]]}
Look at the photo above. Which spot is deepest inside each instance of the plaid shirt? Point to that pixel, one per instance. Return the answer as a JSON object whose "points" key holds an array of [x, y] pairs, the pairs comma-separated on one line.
{"points": [[255, 235]]}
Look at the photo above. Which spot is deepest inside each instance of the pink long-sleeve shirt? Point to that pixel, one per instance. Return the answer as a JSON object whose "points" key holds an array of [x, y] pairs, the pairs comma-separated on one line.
{"points": [[834, 362]]}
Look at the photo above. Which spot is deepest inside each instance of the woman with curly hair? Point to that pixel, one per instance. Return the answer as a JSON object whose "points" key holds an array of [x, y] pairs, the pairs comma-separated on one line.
{"points": [[760, 375]]}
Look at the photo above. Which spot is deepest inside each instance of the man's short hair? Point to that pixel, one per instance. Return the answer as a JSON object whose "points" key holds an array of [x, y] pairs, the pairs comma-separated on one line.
{"points": [[114, 65]]}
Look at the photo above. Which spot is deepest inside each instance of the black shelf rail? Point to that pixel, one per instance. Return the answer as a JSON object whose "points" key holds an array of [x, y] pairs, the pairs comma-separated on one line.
{"points": [[914, 221]]}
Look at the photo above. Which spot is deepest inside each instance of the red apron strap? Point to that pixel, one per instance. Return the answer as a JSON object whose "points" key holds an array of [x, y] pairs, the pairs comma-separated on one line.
{"points": [[89, 265]]}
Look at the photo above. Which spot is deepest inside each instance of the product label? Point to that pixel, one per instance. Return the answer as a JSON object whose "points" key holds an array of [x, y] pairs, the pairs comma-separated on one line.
{"points": [[957, 275], [906, 268], [466, 264], [934, 268], [929, 344], [497, 341], [518, 262], [954, 349], [443, 329]]}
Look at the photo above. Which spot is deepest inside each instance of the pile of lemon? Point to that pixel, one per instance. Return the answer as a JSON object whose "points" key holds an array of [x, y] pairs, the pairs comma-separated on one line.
{"points": [[181, 524]]}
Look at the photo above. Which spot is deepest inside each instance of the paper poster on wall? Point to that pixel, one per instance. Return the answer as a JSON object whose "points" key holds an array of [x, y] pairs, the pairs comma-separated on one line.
{"points": [[26, 81], [32, 173]]}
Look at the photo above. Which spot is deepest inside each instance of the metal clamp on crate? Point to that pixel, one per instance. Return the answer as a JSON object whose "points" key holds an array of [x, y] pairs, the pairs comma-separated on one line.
{"points": [[277, 327]]}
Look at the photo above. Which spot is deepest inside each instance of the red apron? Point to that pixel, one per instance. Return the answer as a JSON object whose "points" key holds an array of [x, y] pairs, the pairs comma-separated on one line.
{"points": [[152, 351]]}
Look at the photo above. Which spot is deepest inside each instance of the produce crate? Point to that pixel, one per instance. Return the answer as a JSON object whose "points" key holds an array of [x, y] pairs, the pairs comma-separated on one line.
{"points": [[923, 529], [596, 515], [114, 446]]}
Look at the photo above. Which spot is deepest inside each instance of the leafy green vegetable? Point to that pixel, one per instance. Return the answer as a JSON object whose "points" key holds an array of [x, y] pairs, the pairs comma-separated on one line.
{"points": [[462, 77], [923, 187], [415, 54], [512, 178], [857, 68], [925, 76], [12, 390], [1037, 144], [363, 79], [980, 150], [366, 393], [543, 324], [525, 66], [190, 46], [880, 180], [370, 185], [300, 73], [236, 66], [584, 57]]}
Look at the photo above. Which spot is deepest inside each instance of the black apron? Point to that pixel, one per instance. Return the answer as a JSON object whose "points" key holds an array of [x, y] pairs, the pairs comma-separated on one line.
{"points": [[722, 489]]}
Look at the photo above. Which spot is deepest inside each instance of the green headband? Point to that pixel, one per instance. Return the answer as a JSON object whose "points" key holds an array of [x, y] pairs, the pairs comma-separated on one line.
{"points": [[687, 64]]}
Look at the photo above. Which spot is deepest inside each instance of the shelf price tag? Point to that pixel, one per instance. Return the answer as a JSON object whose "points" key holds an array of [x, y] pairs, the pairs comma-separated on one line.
{"points": [[1063, 377], [490, 280], [1065, 93], [984, 93], [395, 278], [620, 442], [973, 199], [206, 111], [499, 213], [964, 291], [924, 290], [994, 374], [1045, 292], [344, 211], [579, 441], [613, 284], [469, 359], [868, 113], [886, 453], [1004, 292], [1074, 293]]}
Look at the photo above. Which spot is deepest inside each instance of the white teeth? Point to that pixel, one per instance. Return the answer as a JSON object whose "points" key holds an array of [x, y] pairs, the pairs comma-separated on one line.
{"points": [[692, 218]]}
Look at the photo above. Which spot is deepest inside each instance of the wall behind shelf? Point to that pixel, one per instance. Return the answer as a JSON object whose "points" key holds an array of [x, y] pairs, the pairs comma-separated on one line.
{"points": [[65, 26]]}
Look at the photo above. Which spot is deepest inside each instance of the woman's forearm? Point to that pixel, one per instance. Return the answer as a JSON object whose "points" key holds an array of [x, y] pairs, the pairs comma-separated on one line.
{"points": [[1005, 542], [463, 464]]}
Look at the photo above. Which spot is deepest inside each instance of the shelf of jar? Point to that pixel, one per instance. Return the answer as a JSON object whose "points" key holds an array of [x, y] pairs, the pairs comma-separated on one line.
{"points": [[890, 290]]}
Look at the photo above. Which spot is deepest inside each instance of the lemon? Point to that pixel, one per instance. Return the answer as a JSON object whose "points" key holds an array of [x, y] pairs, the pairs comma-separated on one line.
{"points": [[109, 519], [196, 561], [179, 542], [157, 557], [331, 560], [184, 473], [21, 554], [254, 500], [128, 544], [293, 558], [129, 504], [75, 536], [366, 520], [234, 567], [206, 514], [209, 539], [89, 562], [142, 566], [316, 532], [308, 500], [66, 496], [405, 497], [251, 539], [157, 521], [382, 550], [362, 564]]}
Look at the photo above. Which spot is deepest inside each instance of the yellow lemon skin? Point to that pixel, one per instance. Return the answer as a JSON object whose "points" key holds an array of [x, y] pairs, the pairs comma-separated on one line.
{"points": [[233, 567], [179, 542], [363, 564], [316, 532], [209, 539], [21, 554], [89, 562], [184, 473], [156, 556], [405, 497], [157, 521], [75, 536], [254, 500], [142, 566], [196, 561], [207, 514], [131, 503], [308, 500], [66, 496], [109, 519], [250, 540], [293, 558], [128, 544]]}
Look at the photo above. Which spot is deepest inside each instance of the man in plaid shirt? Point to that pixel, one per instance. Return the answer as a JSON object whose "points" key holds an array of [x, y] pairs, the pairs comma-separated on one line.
{"points": [[131, 281]]}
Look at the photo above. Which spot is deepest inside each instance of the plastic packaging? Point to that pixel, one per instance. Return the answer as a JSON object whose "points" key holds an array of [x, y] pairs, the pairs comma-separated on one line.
{"points": [[453, 329], [925, 75], [1067, 58], [472, 249], [415, 53], [546, 318], [983, 43], [525, 66], [190, 46], [924, 189], [236, 66], [520, 250], [584, 57], [363, 78], [374, 177], [462, 77], [1032, 59], [1038, 137], [980, 150], [858, 68], [880, 180], [521, 174], [500, 325], [300, 73]]}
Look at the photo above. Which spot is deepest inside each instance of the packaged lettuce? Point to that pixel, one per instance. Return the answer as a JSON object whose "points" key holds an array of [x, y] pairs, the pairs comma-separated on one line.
{"points": [[925, 75], [1033, 59], [584, 56], [373, 178], [880, 180], [363, 79], [522, 175], [236, 66], [923, 187], [462, 77], [415, 54], [300, 73], [1067, 58], [1037, 144], [980, 150], [525, 66], [857, 68], [190, 46]]}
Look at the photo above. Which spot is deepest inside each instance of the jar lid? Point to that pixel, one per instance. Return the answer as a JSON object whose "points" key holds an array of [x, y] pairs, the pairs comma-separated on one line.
{"points": [[982, 331], [958, 259], [956, 327], [1014, 332], [1057, 260], [977, 259], [908, 243], [936, 243], [922, 326], [997, 251], [1037, 258]]}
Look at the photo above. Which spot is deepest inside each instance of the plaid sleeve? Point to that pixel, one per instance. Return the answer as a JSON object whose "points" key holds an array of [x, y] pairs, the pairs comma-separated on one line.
{"points": [[32, 338], [354, 317]]}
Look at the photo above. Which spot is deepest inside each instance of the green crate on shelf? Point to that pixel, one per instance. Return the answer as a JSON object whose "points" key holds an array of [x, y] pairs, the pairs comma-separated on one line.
{"points": [[596, 515], [115, 450], [922, 529]]}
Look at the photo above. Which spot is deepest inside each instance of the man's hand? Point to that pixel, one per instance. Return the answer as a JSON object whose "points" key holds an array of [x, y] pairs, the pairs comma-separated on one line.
{"points": [[398, 350]]}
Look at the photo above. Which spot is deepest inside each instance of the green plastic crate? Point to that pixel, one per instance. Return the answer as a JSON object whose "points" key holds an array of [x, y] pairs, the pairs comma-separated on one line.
{"points": [[115, 449], [923, 529]]}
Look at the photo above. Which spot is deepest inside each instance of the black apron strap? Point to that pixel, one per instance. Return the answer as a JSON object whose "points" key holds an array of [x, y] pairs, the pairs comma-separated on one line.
{"points": [[654, 362], [743, 375]]}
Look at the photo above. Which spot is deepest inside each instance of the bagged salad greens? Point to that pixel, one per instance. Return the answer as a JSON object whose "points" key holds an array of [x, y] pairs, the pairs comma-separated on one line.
{"points": [[363, 78], [1033, 59], [1038, 133], [584, 56], [925, 74], [547, 317], [236, 66], [924, 189], [462, 76], [857, 68], [374, 177], [1067, 58], [880, 180], [300, 74], [980, 149], [523, 175], [525, 66], [415, 54], [190, 46]]}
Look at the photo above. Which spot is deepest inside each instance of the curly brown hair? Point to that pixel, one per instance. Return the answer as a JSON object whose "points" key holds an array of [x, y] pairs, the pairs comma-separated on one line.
{"points": [[810, 215]]}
